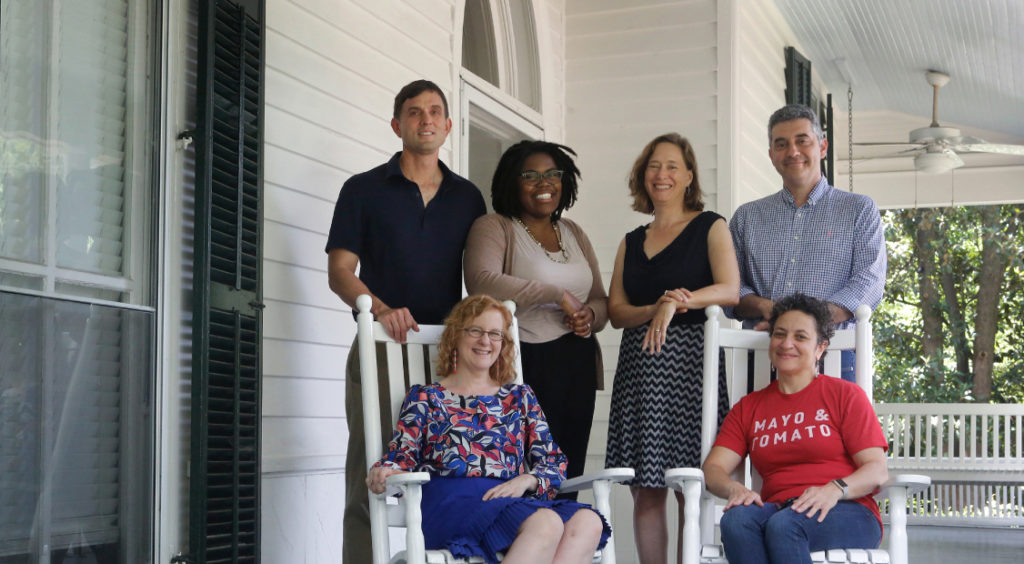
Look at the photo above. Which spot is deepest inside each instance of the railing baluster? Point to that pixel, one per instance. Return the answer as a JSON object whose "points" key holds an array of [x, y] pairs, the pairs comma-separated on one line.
{"points": [[918, 438], [974, 436], [928, 436], [1019, 454]]}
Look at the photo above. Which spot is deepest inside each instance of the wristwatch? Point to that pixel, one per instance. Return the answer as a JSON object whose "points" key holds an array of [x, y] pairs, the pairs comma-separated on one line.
{"points": [[839, 483]]}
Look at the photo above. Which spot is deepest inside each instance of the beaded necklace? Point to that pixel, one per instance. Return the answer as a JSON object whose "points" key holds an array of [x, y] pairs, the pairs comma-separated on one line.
{"points": [[558, 235]]}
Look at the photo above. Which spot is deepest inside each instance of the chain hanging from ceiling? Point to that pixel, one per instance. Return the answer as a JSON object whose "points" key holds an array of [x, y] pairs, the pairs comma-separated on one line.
{"points": [[849, 132]]}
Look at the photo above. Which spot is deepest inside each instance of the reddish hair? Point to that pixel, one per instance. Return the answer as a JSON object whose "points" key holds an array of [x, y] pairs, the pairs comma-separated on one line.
{"points": [[503, 370]]}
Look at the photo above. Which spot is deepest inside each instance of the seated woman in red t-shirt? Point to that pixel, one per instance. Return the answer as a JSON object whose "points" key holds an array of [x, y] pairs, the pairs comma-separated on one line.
{"points": [[817, 444]]}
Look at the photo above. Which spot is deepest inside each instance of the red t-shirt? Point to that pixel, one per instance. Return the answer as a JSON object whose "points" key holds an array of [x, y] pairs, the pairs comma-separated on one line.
{"points": [[805, 439]]}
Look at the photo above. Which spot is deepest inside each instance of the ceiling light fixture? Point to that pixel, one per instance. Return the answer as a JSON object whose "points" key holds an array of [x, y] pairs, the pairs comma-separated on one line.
{"points": [[934, 163]]}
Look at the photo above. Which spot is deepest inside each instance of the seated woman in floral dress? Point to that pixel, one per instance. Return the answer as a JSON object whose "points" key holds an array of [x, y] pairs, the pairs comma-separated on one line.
{"points": [[485, 440]]}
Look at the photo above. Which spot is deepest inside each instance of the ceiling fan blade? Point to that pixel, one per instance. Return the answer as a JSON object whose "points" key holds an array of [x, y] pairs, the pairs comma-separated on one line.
{"points": [[888, 156], [882, 143], [990, 148], [957, 161], [964, 140], [911, 151]]}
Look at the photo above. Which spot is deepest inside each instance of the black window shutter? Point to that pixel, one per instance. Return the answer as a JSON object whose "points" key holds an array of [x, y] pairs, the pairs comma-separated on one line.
{"points": [[799, 91], [227, 287], [798, 78], [828, 164]]}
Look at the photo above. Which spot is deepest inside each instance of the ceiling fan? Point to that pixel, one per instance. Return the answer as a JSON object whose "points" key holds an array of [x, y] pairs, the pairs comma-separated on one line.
{"points": [[936, 147]]}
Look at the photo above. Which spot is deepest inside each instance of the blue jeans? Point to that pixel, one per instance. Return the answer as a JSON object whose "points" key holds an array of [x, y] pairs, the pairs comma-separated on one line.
{"points": [[848, 363], [754, 535]]}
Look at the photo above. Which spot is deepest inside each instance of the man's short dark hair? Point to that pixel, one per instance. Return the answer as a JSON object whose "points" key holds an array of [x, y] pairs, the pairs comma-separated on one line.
{"points": [[505, 183], [795, 111], [414, 89]]}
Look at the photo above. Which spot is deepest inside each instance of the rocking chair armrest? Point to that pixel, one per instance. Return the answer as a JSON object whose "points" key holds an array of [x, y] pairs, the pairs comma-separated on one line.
{"points": [[898, 489], [408, 484], [913, 483], [396, 482], [585, 482], [677, 478]]}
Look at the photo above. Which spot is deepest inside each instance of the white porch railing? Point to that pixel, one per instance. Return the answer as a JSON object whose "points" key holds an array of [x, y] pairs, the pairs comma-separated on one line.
{"points": [[974, 454]]}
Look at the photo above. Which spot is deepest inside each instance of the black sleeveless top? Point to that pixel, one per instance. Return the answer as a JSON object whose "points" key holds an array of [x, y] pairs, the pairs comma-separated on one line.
{"points": [[682, 264]]}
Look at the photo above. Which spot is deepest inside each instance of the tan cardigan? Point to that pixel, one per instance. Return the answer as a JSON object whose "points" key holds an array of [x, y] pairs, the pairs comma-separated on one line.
{"points": [[489, 258]]}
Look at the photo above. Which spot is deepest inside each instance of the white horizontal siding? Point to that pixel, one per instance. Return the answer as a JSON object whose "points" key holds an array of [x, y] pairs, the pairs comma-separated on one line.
{"points": [[550, 18], [293, 508]]}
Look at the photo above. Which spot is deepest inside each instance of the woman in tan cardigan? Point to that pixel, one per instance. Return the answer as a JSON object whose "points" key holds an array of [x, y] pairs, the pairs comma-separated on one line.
{"points": [[528, 253]]}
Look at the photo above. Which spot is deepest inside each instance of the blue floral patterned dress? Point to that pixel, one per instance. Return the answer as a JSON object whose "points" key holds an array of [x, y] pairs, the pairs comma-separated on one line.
{"points": [[471, 444]]}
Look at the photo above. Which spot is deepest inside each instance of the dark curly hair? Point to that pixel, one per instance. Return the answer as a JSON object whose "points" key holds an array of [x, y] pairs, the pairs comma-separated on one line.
{"points": [[505, 184], [818, 309], [694, 198]]}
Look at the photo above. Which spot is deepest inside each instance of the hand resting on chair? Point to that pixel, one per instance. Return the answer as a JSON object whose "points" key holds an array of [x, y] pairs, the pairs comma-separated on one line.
{"points": [[485, 441], [815, 441]]}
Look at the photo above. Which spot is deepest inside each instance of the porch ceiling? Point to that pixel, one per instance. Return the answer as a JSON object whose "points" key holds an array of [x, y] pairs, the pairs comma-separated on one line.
{"points": [[889, 45]]}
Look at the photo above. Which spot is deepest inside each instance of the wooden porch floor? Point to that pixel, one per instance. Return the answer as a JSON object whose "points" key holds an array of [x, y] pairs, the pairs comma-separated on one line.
{"points": [[956, 545]]}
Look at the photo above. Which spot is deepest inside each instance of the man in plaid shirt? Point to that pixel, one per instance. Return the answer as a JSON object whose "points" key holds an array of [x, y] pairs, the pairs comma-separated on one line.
{"points": [[808, 237]]}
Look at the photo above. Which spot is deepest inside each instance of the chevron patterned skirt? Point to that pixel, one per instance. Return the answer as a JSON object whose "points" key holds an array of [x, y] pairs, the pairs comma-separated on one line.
{"points": [[656, 404]]}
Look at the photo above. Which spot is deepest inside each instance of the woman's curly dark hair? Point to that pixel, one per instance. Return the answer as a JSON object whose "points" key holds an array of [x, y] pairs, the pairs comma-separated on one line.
{"points": [[818, 309], [505, 184]]}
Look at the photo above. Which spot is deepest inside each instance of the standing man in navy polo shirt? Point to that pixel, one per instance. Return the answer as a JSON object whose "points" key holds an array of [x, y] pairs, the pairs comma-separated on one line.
{"points": [[808, 237], [405, 224]]}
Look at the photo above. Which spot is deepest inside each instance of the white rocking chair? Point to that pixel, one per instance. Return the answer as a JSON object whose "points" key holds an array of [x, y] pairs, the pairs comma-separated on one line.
{"points": [[420, 354], [702, 509]]}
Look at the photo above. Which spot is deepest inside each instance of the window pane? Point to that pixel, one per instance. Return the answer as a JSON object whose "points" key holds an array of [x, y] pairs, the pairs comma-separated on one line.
{"points": [[75, 107], [478, 49], [15, 280], [84, 291], [25, 156], [90, 82], [76, 432], [527, 67]]}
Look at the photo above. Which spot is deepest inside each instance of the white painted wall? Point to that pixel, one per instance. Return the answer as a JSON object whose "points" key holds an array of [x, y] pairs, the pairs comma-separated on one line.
{"points": [[333, 68]]}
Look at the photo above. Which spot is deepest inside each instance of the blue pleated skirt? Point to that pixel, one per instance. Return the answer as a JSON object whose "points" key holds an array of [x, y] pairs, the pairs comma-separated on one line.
{"points": [[456, 518]]}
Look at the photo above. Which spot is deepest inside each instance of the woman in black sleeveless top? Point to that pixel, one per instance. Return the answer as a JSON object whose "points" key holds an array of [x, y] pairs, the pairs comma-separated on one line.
{"points": [[666, 273]]}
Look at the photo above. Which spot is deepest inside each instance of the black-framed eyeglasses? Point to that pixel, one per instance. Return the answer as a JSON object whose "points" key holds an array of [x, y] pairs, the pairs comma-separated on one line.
{"points": [[476, 332], [533, 177]]}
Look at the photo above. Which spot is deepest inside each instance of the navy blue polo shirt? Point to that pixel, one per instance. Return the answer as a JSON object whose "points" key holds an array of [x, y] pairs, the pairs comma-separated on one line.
{"points": [[410, 255]]}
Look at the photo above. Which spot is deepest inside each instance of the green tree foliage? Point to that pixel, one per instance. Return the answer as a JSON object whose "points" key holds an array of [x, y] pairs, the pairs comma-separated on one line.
{"points": [[951, 326]]}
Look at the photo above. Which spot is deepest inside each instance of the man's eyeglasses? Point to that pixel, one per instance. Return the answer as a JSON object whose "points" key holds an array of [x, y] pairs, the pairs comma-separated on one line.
{"points": [[533, 177], [476, 333]]}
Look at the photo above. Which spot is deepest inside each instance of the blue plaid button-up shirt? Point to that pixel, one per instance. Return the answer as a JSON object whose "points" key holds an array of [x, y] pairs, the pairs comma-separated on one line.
{"points": [[831, 248]]}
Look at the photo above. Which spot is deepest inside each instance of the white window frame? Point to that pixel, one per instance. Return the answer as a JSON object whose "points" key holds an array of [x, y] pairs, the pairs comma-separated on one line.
{"points": [[484, 105], [497, 108]]}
